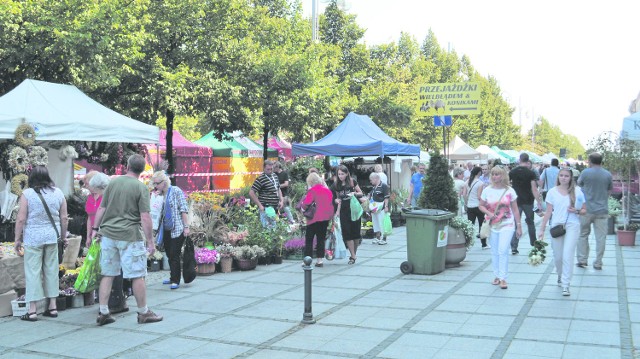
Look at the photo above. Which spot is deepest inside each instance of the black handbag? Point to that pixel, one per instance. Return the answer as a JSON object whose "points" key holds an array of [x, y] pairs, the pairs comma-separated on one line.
{"points": [[188, 261], [310, 211], [559, 230]]}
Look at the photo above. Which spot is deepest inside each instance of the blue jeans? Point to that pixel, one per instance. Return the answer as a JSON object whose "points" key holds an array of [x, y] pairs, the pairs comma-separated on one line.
{"points": [[528, 212]]}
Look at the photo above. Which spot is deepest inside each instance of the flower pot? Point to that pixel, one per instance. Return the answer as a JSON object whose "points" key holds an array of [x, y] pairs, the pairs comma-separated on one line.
{"points": [[276, 259], [226, 264], [89, 298], [456, 251], [77, 301], [247, 264], [61, 303], [264, 260], [295, 256], [69, 300], [206, 268], [626, 238]]}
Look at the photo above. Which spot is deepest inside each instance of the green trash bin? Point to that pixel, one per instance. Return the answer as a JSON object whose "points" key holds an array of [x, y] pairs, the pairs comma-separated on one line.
{"points": [[424, 256]]}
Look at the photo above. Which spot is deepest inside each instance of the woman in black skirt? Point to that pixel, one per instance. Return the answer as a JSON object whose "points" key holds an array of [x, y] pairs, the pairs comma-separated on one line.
{"points": [[343, 189]]}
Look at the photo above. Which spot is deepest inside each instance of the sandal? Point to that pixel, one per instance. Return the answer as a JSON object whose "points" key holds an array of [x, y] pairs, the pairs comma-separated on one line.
{"points": [[28, 317], [351, 260], [51, 313], [496, 281], [503, 284]]}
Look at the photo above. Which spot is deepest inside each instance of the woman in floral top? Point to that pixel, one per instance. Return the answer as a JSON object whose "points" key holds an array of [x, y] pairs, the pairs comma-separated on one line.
{"points": [[498, 203]]}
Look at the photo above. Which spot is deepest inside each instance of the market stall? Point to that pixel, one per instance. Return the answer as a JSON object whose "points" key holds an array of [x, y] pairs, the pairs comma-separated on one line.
{"points": [[189, 158], [229, 163]]}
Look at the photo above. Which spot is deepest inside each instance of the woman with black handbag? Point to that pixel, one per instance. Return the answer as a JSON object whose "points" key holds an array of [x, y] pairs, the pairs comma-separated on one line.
{"points": [[174, 224], [318, 197], [565, 202], [41, 224]]}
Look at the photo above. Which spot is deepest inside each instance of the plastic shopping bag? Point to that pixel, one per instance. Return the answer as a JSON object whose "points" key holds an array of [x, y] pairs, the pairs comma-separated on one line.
{"points": [[89, 275], [386, 225], [331, 245], [356, 208], [340, 250]]}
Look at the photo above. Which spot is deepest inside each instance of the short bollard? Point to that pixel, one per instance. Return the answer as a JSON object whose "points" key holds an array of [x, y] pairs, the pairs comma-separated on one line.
{"points": [[307, 317]]}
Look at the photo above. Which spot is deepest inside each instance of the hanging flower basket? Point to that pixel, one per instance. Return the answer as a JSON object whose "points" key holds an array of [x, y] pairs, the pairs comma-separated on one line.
{"points": [[18, 160], [25, 135], [38, 156]]}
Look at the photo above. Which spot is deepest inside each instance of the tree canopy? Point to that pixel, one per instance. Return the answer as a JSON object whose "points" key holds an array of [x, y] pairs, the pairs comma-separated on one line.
{"points": [[248, 65]]}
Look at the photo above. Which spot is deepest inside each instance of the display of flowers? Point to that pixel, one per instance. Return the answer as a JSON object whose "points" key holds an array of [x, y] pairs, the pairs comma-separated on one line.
{"points": [[156, 256], [68, 292], [207, 256], [68, 279], [294, 245], [18, 160], [38, 156], [538, 252]]}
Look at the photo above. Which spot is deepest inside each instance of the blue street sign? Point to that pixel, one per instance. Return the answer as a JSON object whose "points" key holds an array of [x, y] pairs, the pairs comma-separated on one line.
{"points": [[442, 120]]}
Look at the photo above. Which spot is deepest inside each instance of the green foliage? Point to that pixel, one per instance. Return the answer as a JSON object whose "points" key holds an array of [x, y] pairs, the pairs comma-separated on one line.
{"points": [[437, 186]]}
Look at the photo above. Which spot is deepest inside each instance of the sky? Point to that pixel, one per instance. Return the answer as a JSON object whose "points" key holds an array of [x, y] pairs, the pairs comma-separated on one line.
{"points": [[575, 63]]}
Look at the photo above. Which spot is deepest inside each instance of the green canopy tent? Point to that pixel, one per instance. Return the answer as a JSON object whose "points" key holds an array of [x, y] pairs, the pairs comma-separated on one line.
{"points": [[230, 163]]}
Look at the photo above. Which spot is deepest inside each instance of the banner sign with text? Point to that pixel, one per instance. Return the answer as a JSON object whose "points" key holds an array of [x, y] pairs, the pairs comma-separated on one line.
{"points": [[461, 98]]}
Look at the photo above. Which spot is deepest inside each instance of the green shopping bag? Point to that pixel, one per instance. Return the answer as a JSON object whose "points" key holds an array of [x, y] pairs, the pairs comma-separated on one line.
{"points": [[356, 208], [89, 275], [386, 225]]}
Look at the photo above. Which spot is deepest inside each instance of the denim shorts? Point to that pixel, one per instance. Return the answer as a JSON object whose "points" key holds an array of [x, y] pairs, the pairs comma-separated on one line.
{"points": [[131, 257]]}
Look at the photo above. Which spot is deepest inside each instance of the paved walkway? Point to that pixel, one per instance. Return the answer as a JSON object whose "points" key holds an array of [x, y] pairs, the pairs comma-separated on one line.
{"points": [[367, 310]]}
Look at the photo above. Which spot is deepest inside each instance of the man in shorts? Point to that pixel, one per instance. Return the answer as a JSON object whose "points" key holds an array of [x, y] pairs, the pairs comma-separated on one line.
{"points": [[124, 209]]}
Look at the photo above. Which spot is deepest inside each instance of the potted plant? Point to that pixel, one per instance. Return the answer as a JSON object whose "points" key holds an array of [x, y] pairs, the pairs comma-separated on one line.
{"points": [[627, 234], [206, 260], [615, 209], [294, 248], [620, 156], [459, 238], [247, 256], [396, 202], [225, 250]]}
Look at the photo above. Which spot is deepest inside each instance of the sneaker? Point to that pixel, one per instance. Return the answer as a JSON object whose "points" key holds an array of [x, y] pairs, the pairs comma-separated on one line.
{"points": [[565, 291], [514, 252], [581, 265], [375, 241], [166, 281], [382, 242], [175, 286], [486, 246], [148, 317], [596, 267], [104, 319]]}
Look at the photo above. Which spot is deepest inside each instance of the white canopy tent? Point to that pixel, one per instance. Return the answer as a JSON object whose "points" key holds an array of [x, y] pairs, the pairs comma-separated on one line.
{"points": [[62, 112], [461, 151]]}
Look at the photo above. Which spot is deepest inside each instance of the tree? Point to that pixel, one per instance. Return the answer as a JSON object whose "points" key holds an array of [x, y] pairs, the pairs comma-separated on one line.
{"points": [[437, 186]]}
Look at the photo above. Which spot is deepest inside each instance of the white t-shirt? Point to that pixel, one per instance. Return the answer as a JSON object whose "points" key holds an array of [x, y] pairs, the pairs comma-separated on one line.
{"points": [[472, 194], [504, 216], [561, 206]]}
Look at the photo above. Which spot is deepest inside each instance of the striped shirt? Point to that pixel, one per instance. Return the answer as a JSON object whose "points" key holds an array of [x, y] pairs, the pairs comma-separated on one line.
{"points": [[267, 188]]}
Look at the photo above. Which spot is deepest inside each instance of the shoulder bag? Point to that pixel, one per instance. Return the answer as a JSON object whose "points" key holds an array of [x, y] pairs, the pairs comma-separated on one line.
{"points": [[485, 230], [559, 230], [53, 223]]}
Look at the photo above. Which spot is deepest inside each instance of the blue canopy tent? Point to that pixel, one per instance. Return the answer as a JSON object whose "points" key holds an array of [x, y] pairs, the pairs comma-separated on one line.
{"points": [[357, 135]]}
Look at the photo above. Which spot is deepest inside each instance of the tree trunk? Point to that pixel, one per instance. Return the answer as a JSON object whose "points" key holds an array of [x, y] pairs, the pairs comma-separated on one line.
{"points": [[169, 154], [265, 139]]}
